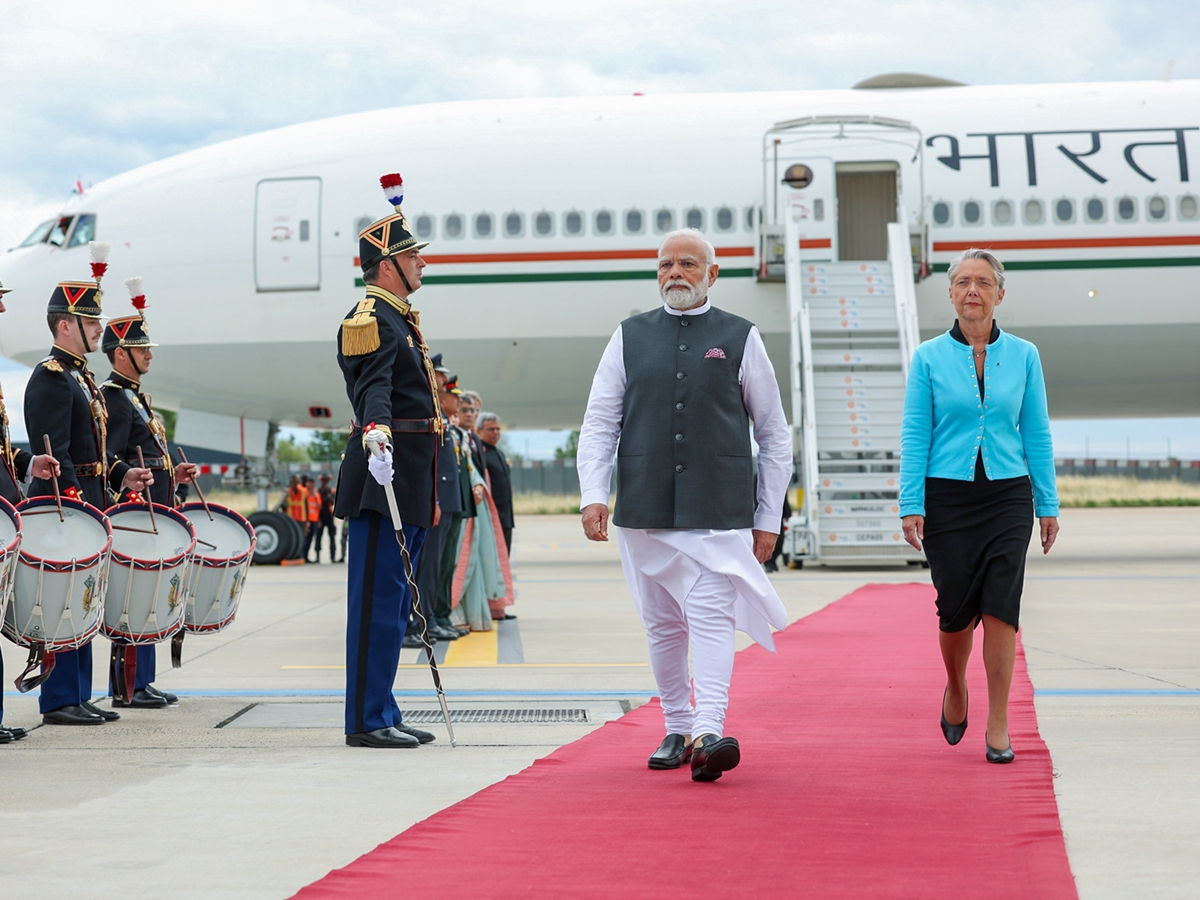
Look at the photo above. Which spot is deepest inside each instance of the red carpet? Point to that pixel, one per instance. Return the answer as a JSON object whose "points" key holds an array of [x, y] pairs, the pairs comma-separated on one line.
{"points": [[846, 790]]}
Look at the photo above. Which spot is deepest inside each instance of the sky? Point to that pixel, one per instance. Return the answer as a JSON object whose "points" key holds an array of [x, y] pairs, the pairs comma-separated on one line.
{"points": [[90, 90]]}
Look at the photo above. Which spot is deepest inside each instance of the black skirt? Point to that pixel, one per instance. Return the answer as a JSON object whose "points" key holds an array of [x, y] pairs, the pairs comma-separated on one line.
{"points": [[976, 536]]}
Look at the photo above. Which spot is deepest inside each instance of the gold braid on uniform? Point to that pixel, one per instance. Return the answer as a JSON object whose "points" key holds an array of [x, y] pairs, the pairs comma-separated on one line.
{"points": [[6, 449], [360, 332]]}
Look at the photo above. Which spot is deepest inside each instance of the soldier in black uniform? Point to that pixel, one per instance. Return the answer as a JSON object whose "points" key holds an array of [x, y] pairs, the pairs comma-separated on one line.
{"points": [[132, 424], [63, 402], [391, 385], [16, 468]]}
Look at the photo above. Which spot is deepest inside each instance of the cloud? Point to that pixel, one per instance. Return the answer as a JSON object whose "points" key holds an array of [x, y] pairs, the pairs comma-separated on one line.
{"points": [[105, 88]]}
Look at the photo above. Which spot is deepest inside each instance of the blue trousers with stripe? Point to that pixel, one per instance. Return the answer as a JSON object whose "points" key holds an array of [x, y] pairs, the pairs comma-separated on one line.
{"points": [[378, 602], [71, 681]]}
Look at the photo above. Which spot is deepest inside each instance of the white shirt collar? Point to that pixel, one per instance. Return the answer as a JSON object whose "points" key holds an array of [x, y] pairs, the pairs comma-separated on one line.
{"points": [[698, 311]]}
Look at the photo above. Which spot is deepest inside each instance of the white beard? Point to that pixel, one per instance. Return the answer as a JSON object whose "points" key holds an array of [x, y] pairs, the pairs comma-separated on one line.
{"points": [[692, 295]]}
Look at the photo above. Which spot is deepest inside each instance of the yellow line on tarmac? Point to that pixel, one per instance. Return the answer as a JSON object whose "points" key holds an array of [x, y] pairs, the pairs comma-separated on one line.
{"points": [[479, 648]]}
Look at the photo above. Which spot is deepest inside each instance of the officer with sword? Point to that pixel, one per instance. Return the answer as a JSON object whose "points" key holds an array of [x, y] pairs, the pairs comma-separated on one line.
{"points": [[387, 482]]}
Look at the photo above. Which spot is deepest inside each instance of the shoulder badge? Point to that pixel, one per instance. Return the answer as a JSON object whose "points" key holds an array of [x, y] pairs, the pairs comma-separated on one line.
{"points": [[52, 365], [360, 332]]}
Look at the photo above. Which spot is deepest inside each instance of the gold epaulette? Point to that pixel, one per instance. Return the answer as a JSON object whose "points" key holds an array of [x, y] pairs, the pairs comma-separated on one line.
{"points": [[360, 332], [52, 364]]}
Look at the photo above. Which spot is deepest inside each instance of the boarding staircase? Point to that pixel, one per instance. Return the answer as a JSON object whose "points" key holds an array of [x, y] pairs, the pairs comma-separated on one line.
{"points": [[853, 332]]}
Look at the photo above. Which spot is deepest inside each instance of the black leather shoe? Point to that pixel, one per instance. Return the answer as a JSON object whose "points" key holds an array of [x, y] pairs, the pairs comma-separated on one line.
{"points": [[999, 756], [423, 737], [953, 733], [673, 752], [444, 634], [72, 715], [106, 714], [712, 756], [5, 737], [16, 734], [166, 695], [142, 699], [412, 639], [382, 737]]}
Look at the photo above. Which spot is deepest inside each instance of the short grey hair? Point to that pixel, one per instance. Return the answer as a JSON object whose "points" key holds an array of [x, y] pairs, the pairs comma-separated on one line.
{"points": [[484, 417], [978, 253], [474, 399], [710, 255]]}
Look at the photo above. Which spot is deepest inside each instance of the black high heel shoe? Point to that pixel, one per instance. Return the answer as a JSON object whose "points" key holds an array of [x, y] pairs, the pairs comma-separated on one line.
{"points": [[999, 756], [953, 733]]}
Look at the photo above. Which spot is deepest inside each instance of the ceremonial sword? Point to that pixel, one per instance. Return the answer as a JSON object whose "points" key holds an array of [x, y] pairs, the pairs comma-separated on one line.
{"points": [[376, 449]]}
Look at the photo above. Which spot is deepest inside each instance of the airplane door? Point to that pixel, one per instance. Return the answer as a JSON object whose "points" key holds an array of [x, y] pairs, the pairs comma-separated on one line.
{"points": [[808, 193], [287, 234], [866, 194]]}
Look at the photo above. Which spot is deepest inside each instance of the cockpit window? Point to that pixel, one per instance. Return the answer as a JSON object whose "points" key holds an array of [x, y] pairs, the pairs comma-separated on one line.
{"points": [[85, 230], [39, 234], [58, 234]]}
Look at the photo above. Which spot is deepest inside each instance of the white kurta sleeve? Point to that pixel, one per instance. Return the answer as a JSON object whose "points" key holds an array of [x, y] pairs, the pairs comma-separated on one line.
{"points": [[602, 424], [760, 393]]}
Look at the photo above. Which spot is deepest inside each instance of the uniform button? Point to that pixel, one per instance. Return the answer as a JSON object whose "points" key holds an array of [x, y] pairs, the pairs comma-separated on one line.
{"points": [[679, 375], [679, 468], [679, 437], [679, 406], [683, 346], [685, 323]]}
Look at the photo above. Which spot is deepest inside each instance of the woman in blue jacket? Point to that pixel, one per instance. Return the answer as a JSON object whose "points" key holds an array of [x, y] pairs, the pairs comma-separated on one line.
{"points": [[975, 439]]}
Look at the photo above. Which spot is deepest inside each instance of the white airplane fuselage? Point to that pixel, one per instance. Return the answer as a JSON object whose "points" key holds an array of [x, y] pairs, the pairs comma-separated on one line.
{"points": [[248, 247]]}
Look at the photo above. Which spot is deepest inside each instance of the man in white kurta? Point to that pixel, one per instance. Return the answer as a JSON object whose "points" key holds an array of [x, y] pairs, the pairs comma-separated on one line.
{"points": [[692, 529]]}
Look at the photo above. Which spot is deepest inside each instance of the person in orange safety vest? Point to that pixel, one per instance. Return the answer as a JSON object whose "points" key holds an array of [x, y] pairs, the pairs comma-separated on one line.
{"points": [[312, 515]]}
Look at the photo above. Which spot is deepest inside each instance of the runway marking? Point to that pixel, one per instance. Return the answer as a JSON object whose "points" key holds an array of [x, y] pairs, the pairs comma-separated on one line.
{"points": [[429, 692], [479, 648]]}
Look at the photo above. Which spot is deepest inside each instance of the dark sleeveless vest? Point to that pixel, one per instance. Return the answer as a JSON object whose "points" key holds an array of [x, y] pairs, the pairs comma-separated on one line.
{"points": [[684, 458]]}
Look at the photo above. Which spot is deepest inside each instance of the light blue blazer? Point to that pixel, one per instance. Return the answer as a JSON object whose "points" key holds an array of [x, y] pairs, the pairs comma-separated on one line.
{"points": [[946, 422]]}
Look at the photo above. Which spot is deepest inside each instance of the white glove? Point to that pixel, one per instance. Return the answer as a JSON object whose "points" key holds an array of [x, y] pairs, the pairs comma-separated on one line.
{"points": [[380, 467]]}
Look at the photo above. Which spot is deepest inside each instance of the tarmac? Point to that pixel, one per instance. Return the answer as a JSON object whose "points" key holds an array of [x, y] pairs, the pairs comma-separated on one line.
{"points": [[246, 789]]}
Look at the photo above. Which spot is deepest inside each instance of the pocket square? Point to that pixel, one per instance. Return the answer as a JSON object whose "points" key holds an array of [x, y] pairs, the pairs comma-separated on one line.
{"points": [[715, 353]]}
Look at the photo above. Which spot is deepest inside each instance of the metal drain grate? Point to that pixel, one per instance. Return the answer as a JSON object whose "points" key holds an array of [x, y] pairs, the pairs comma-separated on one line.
{"points": [[499, 717]]}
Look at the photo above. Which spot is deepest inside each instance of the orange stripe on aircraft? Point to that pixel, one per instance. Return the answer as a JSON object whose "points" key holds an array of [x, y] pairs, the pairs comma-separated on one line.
{"points": [[1067, 243], [812, 244]]}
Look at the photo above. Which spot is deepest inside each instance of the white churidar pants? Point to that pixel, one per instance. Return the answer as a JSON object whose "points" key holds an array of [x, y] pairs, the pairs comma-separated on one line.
{"points": [[698, 586]]}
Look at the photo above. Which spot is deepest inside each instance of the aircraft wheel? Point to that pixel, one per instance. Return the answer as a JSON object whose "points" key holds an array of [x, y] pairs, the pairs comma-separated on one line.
{"points": [[275, 538]]}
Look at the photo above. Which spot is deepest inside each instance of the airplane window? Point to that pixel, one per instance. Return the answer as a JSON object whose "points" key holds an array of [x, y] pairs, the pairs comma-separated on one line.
{"points": [[573, 223], [694, 218], [424, 226], [941, 213], [85, 230], [635, 223], [452, 227], [724, 219], [1094, 210], [1126, 209], [484, 227], [1156, 208], [543, 224], [752, 218], [819, 210], [58, 234], [39, 234], [1002, 212], [1188, 207], [1064, 211], [514, 224], [1032, 212], [664, 220], [972, 213], [303, 230], [362, 223], [602, 223]]}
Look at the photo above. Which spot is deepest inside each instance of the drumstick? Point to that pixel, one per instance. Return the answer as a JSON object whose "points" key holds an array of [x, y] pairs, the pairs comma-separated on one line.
{"points": [[149, 499], [148, 531], [54, 479], [199, 493]]}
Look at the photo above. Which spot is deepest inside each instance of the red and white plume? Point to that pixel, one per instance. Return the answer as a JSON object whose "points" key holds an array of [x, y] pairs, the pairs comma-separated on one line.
{"points": [[99, 258], [135, 292], [393, 189]]}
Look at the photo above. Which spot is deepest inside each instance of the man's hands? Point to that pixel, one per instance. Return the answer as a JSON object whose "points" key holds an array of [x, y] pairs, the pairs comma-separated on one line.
{"points": [[185, 473], [138, 479], [914, 530], [1049, 529], [595, 522], [764, 544], [44, 466], [477, 492]]}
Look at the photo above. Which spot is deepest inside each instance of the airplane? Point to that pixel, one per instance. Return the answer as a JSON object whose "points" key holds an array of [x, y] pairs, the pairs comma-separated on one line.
{"points": [[544, 217]]}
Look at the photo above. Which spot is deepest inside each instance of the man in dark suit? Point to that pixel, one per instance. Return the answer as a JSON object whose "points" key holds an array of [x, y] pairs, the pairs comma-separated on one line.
{"points": [[392, 388], [498, 474]]}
